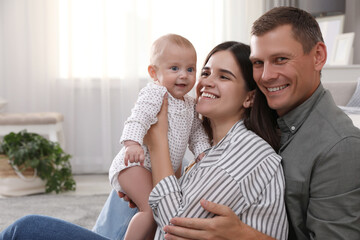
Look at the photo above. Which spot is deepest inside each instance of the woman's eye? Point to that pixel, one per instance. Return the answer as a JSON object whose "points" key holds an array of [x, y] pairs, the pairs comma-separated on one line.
{"points": [[190, 69], [224, 77], [204, 74], [174, 68]]}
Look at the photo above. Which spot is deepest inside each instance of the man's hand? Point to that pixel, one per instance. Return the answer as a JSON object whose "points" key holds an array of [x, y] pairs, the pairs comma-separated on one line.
{"points": [[226, 225], [133, 153]]}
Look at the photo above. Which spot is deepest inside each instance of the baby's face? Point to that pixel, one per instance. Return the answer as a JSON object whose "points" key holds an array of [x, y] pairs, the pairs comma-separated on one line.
{"points": [[176, 70]]}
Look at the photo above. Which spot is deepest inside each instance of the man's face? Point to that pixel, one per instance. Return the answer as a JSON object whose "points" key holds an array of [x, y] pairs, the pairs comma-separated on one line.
{"points": [[282, 71]]}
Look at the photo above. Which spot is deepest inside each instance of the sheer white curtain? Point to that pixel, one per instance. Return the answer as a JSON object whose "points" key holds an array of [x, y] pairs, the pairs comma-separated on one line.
{"points": [[269, 4], [87, 59]]}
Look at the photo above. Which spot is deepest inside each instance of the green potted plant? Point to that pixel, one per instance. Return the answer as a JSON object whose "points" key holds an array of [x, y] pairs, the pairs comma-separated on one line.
{"points": [[30, 150]]}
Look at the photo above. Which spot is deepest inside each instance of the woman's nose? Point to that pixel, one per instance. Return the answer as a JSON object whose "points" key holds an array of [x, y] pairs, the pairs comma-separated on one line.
{"points": [[208, 81]]}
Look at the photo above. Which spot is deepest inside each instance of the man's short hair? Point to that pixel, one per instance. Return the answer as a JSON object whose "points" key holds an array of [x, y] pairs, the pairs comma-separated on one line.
{"points": [[305, 29]]}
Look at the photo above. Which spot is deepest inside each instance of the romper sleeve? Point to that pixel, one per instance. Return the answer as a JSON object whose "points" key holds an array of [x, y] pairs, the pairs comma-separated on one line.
{"points": [[199, 140], [144, 113]]}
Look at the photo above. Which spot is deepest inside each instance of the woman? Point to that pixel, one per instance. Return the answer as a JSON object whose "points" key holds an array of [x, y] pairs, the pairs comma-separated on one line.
{"points": [[241, 170]]}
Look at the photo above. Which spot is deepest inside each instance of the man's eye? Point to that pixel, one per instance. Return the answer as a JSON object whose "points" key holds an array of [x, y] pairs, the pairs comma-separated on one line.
{"points": [[190, 69], [257, 63], [280, 60], [174, 68]]}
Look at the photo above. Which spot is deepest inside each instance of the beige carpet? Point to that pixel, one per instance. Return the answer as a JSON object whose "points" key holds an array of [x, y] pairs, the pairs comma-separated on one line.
{"points": [[81, 207], [81, 210]]}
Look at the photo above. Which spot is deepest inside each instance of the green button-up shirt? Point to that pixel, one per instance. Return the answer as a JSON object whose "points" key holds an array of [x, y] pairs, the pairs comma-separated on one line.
{"points": [[321, 160]]}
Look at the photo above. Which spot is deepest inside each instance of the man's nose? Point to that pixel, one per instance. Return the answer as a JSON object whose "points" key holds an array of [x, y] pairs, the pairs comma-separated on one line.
{"points": [[269, 72]]}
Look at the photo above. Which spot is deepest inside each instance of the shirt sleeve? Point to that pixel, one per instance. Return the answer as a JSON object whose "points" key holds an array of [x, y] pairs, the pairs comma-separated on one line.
{"points": [[199, 140], [143, 114], [266, 213], [334, 201]]}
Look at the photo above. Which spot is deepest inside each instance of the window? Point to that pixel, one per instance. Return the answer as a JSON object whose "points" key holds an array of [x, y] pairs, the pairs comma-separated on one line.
{"points": [[112, 38]]}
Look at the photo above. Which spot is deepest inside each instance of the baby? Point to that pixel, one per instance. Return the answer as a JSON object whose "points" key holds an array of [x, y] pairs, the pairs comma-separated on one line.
{"points": [[173, 70]]}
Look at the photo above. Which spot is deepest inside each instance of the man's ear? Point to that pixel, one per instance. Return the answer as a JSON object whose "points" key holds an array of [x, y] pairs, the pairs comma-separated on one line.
{"points": [[249, 100], [152, 72], [320, 56]]}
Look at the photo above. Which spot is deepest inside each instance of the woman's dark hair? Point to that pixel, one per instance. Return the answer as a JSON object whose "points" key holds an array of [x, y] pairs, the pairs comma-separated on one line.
{"points": [[260, 118]]}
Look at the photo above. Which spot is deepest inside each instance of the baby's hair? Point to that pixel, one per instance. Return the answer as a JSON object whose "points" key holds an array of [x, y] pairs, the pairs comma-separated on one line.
{"points": [[160, 44]]}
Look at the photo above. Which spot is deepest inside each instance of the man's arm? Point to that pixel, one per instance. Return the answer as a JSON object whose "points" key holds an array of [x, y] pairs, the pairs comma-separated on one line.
{"points": [[334, 203]]}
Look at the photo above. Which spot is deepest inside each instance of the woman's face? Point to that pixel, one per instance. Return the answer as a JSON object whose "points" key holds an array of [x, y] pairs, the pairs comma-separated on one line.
{"points": [[221, 88]]}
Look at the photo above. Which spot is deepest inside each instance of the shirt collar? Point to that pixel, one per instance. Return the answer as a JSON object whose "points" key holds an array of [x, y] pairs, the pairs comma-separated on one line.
{"points": [[292, 121]]}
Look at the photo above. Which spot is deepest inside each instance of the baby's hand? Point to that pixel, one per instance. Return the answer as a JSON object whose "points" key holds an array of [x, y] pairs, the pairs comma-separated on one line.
{"points": [[133, 153], [201, 155]]}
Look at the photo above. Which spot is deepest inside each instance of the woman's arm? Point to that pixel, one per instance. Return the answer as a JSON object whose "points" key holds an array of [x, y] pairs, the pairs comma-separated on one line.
{"points": [[198, 141]]}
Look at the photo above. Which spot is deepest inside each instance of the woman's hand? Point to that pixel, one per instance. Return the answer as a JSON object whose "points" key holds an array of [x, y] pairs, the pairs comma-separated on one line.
{"points": [[226, 225]]}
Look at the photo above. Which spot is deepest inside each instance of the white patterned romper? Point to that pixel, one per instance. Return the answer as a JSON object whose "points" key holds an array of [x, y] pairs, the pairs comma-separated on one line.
{"points": [[185, 129]]}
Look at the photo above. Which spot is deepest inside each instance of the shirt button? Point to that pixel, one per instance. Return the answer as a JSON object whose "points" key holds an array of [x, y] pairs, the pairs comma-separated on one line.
{"points": [[292, 128]]}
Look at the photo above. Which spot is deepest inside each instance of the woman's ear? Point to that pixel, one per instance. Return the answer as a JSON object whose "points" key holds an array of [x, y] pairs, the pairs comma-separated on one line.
{"points": [[152, 72], [249, 100]]}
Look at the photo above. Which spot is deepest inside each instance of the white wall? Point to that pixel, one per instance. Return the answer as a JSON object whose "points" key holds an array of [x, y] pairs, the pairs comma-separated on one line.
{"points": [[352, 24]]}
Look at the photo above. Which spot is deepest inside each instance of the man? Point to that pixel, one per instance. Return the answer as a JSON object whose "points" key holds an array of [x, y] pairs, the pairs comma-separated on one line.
{"points": [[319, 144]]}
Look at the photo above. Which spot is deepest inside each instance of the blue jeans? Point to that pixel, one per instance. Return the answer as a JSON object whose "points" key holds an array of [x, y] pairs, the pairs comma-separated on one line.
{"points": [[111, 224], [44, 228], [114, 218]]}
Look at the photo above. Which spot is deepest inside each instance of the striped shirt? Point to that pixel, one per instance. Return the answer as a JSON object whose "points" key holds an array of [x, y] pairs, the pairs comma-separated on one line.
{"points": [[242, 172]]}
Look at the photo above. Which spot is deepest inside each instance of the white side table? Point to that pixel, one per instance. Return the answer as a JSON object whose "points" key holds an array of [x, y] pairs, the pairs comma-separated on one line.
{"points": [[2, 104], [43, 123]]}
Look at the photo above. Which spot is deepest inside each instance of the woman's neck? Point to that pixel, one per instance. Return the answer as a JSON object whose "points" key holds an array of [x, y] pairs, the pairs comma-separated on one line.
{"points": [[220, 128]]}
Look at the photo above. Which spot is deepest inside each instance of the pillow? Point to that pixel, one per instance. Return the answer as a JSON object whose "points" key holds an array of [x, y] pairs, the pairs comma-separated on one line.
{"points": [[355, 99], [355, 119], [353, 113]]}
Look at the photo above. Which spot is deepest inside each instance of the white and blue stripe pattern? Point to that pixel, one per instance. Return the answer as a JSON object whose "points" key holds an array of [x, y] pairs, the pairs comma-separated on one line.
{"points": [[355, 99], [242, 172]]}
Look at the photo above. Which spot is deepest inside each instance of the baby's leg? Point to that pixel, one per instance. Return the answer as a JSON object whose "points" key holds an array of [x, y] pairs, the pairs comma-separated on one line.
{"points": [[137, 183]]}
